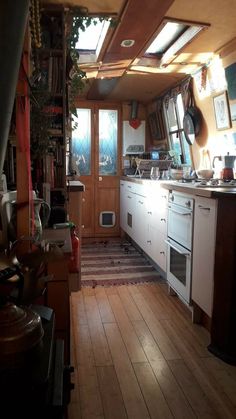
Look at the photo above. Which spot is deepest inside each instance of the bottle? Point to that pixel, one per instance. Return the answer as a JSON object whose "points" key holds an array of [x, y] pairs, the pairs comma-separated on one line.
{"points": [[74, 260]]}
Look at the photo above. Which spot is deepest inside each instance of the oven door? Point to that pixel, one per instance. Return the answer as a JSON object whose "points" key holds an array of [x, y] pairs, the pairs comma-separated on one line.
{"points": [[180, 225], [179, 269]]}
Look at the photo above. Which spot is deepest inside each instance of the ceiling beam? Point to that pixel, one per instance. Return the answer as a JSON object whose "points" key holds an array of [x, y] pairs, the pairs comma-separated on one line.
{"points": [[139, 22]]}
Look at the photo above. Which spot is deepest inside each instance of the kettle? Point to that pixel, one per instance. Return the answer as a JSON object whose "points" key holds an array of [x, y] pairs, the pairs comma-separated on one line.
{"points": [[227, 166], [39, 219], [227, 161]]}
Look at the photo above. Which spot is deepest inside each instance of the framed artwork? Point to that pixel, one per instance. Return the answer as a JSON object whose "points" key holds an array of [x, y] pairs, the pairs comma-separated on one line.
{"points": [[221, 108]]}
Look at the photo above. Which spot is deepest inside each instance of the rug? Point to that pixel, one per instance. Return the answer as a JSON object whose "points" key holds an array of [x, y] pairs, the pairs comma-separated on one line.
{"points": [[114, 263]]}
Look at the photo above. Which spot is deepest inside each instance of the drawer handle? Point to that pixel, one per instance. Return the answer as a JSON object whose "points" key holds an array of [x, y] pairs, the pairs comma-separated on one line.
{"points": [[162, 253], [164, 196], [204, 208], [140, 202], [130, 197], [163, 219], [150, 212], [149, 241]]}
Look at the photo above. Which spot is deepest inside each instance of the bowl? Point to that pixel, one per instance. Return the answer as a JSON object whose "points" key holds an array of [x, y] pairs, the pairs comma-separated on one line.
{"points": [[205, 173], [176, 174]]}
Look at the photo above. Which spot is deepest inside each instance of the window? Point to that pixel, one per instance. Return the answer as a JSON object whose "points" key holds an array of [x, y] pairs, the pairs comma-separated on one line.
{"points": [[172, 36], [81, 143], [91, 40], [108, 137], [174, 120]]}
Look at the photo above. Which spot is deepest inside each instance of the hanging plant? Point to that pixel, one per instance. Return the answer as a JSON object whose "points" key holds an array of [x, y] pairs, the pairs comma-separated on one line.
{"points": [[40, 122], [78, 19]]}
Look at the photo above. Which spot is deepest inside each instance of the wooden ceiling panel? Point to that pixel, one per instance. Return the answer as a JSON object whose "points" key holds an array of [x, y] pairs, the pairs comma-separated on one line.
{"points": [[94, 6], [138, 22], [143, 87]]}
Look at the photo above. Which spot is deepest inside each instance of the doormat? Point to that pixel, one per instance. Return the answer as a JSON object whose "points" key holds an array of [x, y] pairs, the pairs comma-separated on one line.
{"points": [[115, 263]]}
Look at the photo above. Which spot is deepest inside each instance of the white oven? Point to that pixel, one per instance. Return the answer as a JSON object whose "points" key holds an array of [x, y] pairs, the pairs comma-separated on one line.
{"points": [[179, 244]]}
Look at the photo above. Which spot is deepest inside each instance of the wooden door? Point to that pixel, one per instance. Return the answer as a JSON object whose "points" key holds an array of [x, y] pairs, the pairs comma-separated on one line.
{"points": [[99, 167]]}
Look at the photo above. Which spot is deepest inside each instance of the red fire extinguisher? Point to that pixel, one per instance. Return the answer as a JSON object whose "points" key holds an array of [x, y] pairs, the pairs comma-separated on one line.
{"points": [[75, 255]]}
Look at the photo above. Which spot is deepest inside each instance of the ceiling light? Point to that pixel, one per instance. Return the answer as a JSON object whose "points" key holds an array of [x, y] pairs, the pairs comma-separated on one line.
{"points": [[127, 43]]}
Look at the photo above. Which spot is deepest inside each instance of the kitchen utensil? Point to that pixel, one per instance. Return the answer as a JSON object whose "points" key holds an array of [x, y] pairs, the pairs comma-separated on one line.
{"points": [[205, 173], [227, 174], [192, 123], [227, 161], [39, 219]]}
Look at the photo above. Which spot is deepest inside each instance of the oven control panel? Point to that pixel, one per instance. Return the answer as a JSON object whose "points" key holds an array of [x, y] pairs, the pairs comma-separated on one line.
{"points": [[181, 200]]}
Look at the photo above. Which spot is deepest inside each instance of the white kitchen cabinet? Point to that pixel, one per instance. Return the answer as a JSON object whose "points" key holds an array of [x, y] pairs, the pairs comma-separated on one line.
{"points": [[203, 255], [146, 206], [157, 225], [127, 207], [140, 220]]}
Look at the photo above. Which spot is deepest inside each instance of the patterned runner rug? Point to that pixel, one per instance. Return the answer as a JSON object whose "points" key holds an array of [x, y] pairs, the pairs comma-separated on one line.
{"points": [[113, 263]]}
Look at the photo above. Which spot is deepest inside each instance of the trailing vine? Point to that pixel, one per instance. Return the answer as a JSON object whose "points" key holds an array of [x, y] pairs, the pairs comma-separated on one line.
{"points": [[78, 20]]}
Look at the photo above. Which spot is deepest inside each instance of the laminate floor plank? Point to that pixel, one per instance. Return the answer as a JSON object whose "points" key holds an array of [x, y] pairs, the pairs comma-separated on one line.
{"points": [[130, 306], [224, 378], [148, 342], [158, 332], [175, 376], [132, 343], [106, 313], [192, 390], [112, 399], [78, 309], [218, 400], [132, 395], [155, 400], [174, 305], [173, 393], [101, 351]]}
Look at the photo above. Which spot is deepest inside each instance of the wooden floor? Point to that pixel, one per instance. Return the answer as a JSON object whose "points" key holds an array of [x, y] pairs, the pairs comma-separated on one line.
{"points": [[137, 355]]}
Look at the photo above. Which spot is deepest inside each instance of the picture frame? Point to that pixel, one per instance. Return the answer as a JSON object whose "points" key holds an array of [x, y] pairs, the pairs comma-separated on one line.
{"points": [[222, 112]]}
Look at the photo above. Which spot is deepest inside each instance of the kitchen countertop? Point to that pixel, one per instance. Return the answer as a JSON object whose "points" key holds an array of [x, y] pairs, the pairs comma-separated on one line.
{"points": [[207, 192]]}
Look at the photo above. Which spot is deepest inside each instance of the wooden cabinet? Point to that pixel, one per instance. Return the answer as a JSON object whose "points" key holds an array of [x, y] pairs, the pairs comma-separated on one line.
{"points": [[57, 289], [203, 255]]}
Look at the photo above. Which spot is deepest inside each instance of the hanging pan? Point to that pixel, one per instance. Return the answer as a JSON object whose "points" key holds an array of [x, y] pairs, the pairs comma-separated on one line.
{"points": [[192, 123]]}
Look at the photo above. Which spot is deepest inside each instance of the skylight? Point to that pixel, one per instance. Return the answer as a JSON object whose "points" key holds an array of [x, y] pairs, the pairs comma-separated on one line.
{"points": [[165, 37], [171, 39], [93, 37]]}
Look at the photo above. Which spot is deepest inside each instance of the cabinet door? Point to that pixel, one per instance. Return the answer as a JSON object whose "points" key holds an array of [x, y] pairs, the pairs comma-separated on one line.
{"points": [[140, 221], [123, 206], [204, 253]]}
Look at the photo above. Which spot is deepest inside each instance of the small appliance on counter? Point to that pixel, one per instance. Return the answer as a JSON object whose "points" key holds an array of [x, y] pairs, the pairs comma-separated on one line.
{"points": [[228, 166]]}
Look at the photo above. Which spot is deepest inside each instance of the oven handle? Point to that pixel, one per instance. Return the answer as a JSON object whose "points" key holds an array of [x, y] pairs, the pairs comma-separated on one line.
{"points": [[178, 249], [181, 212]]}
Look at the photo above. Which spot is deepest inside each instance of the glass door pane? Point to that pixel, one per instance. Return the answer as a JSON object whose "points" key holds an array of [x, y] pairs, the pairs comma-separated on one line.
{"points": [[108, 137], [81, 142]]}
